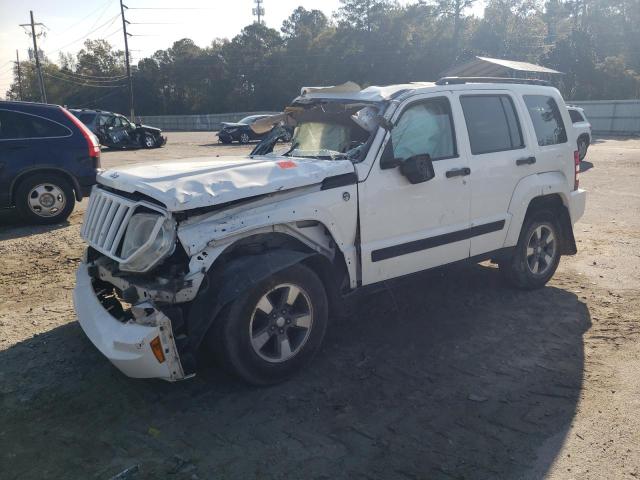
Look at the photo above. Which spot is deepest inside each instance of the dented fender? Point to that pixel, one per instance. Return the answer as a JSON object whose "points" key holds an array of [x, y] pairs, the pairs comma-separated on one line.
{"points": [[321, 219]]}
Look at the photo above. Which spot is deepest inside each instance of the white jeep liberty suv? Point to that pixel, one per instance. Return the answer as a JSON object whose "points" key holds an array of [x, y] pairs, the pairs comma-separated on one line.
{"points": [[250, 256]]}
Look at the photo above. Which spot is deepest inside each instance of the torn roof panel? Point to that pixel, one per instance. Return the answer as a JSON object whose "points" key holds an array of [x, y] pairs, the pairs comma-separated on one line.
{"points": [[351, 91]]}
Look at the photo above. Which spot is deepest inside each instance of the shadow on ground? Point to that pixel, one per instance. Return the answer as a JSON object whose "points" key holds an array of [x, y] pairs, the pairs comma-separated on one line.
{"points": [[443, 375], [12, 226]]}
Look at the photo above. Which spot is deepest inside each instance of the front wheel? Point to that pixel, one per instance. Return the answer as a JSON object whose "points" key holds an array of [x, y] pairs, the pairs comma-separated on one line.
{"points": [[537, 253], [148, 141], [244, 138], [275, 329]]}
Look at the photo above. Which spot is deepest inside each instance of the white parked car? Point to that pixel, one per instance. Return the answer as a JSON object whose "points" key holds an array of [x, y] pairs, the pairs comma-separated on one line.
{"points": [[250, 256], [583, 129]]}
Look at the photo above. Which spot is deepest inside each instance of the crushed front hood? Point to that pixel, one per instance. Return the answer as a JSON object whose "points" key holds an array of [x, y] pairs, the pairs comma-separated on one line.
{"points": [[203, 182]]}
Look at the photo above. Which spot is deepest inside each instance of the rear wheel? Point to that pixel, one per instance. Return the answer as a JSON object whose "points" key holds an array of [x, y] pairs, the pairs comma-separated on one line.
{"points": [[44, 199], [275, 329], [537, 254], [583, 145], [244, 137]]}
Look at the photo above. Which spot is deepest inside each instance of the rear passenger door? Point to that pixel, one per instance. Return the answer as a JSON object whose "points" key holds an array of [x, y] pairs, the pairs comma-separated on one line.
{"points": [[25, 141], [500, 155]]}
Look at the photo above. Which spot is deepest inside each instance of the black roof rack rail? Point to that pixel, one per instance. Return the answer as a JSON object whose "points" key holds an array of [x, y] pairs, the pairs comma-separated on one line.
{"points": [[462, 80]]}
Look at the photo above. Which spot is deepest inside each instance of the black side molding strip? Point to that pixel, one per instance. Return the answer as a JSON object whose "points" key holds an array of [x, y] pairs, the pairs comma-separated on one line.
{"points": [[437, 241], [339, 181]]}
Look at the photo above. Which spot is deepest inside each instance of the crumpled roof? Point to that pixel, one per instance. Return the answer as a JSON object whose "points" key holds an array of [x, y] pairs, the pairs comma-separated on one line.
{"points": [[352, 91]]}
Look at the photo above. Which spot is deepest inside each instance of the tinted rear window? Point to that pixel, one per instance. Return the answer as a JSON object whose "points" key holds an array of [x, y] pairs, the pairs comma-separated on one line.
{"points": [[17, 125], [547, 120], [86, 118], [492, 123], [575, 116]]}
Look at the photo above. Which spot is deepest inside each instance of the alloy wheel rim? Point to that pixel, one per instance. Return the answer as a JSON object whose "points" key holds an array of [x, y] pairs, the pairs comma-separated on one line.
{"points": [[244, 138], [148, 141], [46, 200], [541, 249], [281, 323]]}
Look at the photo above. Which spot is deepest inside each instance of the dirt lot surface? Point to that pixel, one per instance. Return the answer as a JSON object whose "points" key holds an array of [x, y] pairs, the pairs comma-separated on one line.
{"points": [[450, 375]]}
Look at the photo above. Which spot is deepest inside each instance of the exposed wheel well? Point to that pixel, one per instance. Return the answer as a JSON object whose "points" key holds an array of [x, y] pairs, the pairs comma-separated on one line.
{"points": [[332, 272], [52, 171], [554, 203], [584, 137]]}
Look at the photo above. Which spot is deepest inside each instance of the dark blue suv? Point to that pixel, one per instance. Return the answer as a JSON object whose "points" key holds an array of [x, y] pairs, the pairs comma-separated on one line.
{"points": [[48, 160]]}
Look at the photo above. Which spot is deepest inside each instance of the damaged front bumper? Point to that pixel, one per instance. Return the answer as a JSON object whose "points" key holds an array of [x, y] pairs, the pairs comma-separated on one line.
{"points": [[141, 345]]}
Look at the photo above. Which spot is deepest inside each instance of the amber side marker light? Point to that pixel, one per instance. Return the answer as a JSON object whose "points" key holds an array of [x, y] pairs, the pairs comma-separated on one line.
{"points": [[156, 347]]}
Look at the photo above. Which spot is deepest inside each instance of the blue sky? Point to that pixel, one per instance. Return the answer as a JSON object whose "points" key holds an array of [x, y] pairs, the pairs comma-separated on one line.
{"points": [[70, 22]]}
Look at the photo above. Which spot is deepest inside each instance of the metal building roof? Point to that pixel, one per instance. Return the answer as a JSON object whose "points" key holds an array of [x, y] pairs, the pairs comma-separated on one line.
{"points": [[497, 67]]}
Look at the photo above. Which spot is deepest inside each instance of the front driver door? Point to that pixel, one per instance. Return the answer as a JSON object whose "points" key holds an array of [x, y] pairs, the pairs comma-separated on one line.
{"points": [[408, 227]]}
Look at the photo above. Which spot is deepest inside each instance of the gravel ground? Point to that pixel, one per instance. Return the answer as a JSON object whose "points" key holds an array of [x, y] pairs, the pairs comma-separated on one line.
{"points": [[448, 375]]}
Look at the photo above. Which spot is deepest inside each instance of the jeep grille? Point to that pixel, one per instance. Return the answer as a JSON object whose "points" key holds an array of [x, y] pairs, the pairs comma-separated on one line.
{"points": [[106, 219]]}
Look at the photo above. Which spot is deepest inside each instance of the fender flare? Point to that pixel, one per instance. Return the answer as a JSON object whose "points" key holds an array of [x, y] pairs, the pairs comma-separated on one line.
{"points": [[225, 284], [530, 187]]}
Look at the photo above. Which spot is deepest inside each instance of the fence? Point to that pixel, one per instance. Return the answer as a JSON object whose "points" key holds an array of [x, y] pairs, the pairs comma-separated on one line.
{"points": [[191, 123], [607, 117], [612, 117]]}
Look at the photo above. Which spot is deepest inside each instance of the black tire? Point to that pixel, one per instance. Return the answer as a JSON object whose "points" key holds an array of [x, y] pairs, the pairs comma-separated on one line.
{"points": [[231, 337], [244, 138], [583, 146], [519, 270], [54, 185], [148, 141]]}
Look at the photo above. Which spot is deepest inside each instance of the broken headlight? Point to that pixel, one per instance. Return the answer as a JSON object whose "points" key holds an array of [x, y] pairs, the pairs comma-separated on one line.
{"points": [[149, 239]]}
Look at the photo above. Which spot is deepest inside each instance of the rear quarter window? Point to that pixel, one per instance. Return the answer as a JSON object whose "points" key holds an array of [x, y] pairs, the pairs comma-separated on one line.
{"points": [[86, 118], [575, 116], [547, 120], [18, 125]]}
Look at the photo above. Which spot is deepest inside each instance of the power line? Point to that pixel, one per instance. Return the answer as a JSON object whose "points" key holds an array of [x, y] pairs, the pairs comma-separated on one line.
{"points": [[89, 79], [108, 23], [95, 100], [78, 83]]}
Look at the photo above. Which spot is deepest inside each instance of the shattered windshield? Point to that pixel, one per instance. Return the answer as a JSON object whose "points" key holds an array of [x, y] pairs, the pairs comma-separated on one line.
{"points": [[320, 139], [327, 131], [339, 134]]}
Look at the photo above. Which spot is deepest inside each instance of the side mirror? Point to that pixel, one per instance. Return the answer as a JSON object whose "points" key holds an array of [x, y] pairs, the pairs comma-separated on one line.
{"points": [[418, 168]]}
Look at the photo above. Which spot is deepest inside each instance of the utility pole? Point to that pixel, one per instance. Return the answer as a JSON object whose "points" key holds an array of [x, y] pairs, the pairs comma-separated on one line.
{"points": [[19, 75], [43, 93], [126, 56], [258, 10]]}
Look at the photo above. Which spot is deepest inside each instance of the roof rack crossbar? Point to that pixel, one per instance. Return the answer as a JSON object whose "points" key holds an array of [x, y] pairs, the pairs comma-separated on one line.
{"points": [[462, 80]]}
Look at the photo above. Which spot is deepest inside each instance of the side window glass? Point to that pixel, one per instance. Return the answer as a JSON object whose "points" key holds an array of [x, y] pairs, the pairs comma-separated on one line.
{"points": [[492, 123], [547, 120], [426, 127], [11, 125], [575, 116], [20, 125]]}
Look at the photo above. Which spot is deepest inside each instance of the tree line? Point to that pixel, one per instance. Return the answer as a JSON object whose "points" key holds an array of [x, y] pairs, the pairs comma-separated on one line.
{"points": [[596, 43]]}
